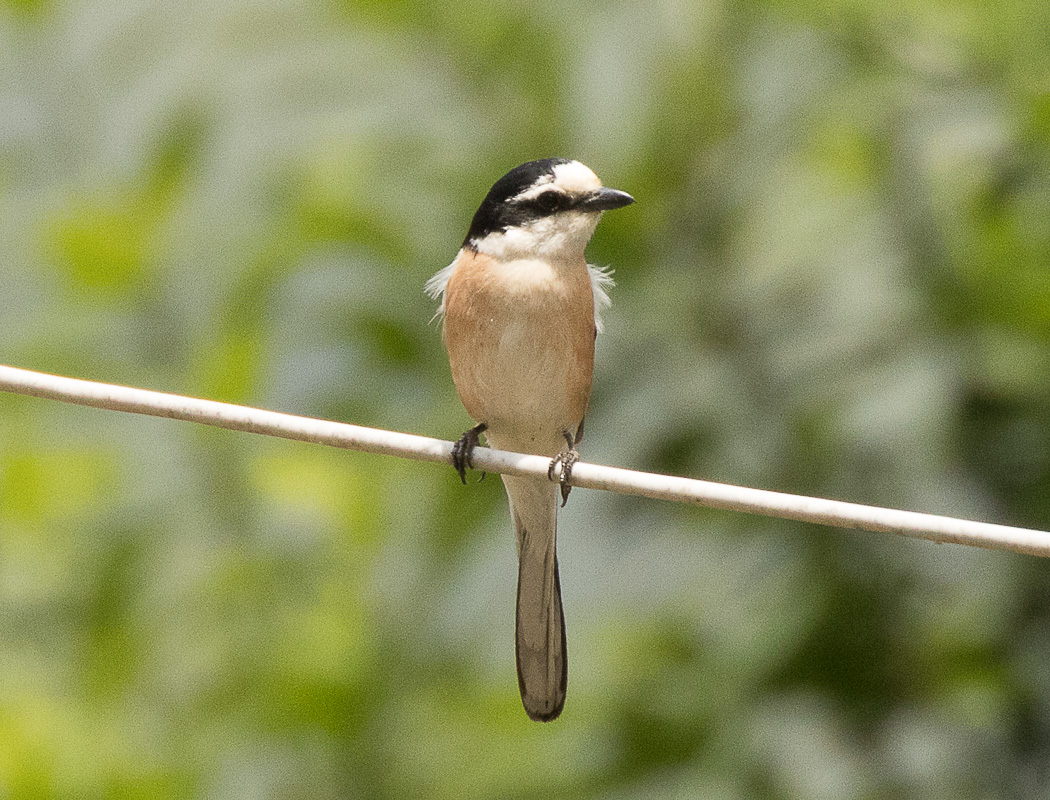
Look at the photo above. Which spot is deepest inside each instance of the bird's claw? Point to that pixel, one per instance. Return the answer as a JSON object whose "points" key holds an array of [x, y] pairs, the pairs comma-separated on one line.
{"points": [[463, 451], [563, 463]]}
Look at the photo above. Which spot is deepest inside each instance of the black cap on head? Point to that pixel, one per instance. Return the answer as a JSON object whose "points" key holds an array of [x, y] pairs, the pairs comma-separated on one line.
{"points": [[495, 214]]}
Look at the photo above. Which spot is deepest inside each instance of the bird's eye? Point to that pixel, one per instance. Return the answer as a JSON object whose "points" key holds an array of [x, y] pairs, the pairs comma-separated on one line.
{"points": [[550, 201]]}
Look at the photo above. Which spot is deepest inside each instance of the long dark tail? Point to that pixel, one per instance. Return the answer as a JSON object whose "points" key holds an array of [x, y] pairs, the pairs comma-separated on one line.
{"points": [[540, 622]]}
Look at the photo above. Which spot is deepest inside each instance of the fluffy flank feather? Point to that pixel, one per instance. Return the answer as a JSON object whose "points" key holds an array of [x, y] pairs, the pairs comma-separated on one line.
{"points": [[601, 282], [435, 287]]}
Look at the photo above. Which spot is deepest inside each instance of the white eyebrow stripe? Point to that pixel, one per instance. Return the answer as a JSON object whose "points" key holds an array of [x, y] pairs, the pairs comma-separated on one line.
{"points": [[536, 190]]}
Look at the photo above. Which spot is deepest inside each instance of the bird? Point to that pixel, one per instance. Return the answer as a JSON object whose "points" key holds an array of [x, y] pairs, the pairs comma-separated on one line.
{"points": [[520, 308]]}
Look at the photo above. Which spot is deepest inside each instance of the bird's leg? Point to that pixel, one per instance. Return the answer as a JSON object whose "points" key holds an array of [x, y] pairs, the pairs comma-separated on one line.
{"points": [[564, 462], [463, 450]]}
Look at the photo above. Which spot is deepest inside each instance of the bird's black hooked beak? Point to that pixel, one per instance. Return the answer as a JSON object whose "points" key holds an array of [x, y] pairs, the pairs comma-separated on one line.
{"points": [[606, 199]]}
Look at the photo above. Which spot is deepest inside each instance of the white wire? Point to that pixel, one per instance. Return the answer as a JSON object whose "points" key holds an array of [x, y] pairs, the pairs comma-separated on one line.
{"points": [[590, 476]]}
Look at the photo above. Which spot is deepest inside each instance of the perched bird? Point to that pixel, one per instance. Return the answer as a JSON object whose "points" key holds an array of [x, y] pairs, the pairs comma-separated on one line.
{"points": [[520, 307]]}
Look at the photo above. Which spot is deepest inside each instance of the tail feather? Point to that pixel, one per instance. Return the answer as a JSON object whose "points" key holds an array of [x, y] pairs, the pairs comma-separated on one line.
{"points": [[540, 621]]}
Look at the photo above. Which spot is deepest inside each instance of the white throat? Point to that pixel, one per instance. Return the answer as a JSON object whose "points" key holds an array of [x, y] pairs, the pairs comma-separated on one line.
{"points": [[559, 237]]}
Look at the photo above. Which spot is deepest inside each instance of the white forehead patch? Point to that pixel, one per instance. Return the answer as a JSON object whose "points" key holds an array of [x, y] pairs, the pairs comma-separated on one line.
{"points": [[575, 178]]}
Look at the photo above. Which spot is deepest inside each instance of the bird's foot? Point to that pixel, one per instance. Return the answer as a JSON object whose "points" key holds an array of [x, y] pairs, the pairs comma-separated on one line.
{"points": [[463, 450], [563, 464]]}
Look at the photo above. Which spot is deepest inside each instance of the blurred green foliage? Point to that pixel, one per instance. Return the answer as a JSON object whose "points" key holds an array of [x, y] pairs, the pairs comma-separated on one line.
{"points": [[835, 282]]}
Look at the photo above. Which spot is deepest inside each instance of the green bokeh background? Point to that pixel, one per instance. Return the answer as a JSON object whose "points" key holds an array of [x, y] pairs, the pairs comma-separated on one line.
{"points": [[835, 282]]}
